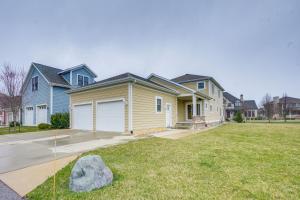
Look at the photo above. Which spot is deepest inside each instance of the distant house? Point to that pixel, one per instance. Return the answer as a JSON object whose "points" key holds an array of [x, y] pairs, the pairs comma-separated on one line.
{"points": [[292, 107], [44, 90], [6, 115], [233, 104]]}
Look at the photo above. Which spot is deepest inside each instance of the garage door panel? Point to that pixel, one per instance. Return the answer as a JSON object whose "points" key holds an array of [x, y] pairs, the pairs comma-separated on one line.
{"points": [[111, 116], [82, 116], [28, 116]]}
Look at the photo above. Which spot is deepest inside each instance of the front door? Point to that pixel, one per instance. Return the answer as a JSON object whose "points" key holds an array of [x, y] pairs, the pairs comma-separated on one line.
{"points": [[189, 111], [169, 115]]}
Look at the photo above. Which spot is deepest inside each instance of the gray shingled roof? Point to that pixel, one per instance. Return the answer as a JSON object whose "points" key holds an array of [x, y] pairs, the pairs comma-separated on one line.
{"points": [[230, 97], [127, 75], [51, 74], [250, 105], [189, 77], [121, 77], [289, 100], [192, 77]]}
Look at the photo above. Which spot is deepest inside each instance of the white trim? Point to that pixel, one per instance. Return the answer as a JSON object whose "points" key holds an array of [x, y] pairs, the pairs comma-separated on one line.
{"points": [[161, 106], [197, 86], [70, 111], [171, 115], [84, 103], [194, 106], [177, 84], [130, 127], [83, 79], [51, 100], [110, 100], [71, 77]]}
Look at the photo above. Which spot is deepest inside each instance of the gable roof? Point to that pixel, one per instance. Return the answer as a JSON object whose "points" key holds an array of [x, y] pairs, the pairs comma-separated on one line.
{"points": [[51, 74], [230, 97], [192, 77], [123, 78], [250, 105], [169, 81], [77, 67], [289, 100]]}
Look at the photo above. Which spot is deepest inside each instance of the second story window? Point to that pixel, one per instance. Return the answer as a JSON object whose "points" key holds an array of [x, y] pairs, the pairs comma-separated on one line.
{"points": [[212, 89], [201, 85], [82, 80], [219, 93], [35, 83]]}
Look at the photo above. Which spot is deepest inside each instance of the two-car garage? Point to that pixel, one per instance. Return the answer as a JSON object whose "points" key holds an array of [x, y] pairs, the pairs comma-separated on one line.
{"points": [[109, 115]]}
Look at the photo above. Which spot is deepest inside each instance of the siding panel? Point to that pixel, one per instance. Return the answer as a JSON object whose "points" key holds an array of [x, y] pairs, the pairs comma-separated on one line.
{"points": [[93, 95], [60, 100], [33, 98], [144, 111]]}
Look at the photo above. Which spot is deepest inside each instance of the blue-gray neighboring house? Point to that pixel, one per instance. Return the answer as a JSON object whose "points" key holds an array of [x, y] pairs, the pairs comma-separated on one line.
{"points": [[44, 91]]}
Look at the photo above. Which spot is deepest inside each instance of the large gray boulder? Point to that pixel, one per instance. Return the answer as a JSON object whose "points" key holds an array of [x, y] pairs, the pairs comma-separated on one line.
{"points": [[89, 173]]}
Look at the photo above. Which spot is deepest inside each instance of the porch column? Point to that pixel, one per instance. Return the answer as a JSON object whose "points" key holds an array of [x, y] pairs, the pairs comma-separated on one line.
{"points": [[203, 107], [194, 106]]}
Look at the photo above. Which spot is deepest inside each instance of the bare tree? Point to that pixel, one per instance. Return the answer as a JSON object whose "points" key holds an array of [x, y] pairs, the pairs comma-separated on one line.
{"points": [[268, 106], [284, 106], [12, 80]]}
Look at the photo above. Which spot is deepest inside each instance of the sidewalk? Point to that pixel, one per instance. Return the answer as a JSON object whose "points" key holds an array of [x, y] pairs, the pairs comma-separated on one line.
{"points": [[25, 180]]}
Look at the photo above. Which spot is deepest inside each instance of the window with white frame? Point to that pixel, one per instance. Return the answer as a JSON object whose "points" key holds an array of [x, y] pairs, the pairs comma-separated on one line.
{"points": [[201, 85], [82, 80], [212, 88], [210, 107], [158, 104], [219, 93], [35, 83]]}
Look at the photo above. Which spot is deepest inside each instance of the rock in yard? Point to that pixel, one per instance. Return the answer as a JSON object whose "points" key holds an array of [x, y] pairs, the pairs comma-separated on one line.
{"points": [[89, 173]]}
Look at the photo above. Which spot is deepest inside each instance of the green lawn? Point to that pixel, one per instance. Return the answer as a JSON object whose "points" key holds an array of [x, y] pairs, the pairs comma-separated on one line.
{"points": [[234, 161], [23, 129]]}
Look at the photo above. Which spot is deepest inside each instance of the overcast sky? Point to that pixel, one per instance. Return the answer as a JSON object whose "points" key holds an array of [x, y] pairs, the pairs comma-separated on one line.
{"points": [[249, 47]]}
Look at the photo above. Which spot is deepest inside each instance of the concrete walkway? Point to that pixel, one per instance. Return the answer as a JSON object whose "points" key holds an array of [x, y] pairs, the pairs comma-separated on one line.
{"points": [[175, 134], [25, 180], [27, 160]]}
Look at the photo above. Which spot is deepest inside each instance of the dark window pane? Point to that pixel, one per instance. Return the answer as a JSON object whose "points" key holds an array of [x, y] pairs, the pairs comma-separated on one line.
{"points": [[80, 80], [158, 108], [86, 80], [201, 85]]}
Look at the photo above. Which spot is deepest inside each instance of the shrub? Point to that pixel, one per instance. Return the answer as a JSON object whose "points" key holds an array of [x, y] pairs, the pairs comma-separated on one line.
{"points": [[44, 126], [12, 124], [238, 117], [60, 120]]}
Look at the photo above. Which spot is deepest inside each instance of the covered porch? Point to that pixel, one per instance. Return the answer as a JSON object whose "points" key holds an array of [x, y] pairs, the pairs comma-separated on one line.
{"points": [[191, 110]]}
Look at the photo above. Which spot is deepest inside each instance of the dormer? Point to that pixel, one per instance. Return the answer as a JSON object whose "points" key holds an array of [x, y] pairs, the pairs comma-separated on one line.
{"points": [[78, 76]]}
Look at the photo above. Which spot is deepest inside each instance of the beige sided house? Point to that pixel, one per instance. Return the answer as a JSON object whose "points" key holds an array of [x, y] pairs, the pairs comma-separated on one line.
{"points": [[132, 104]]}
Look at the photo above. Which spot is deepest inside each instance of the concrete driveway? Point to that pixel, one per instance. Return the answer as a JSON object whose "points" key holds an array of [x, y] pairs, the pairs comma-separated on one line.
{"points": [[18, 151]]}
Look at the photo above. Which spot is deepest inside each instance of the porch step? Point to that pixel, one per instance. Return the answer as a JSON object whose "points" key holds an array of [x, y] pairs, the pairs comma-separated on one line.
{"points": [[185, 125]]}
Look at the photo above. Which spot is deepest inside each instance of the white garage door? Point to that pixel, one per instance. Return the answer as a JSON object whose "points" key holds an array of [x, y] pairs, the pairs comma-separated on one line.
{"points": [[28, 121], [41, 114], [82, 116], [111, 116]]}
